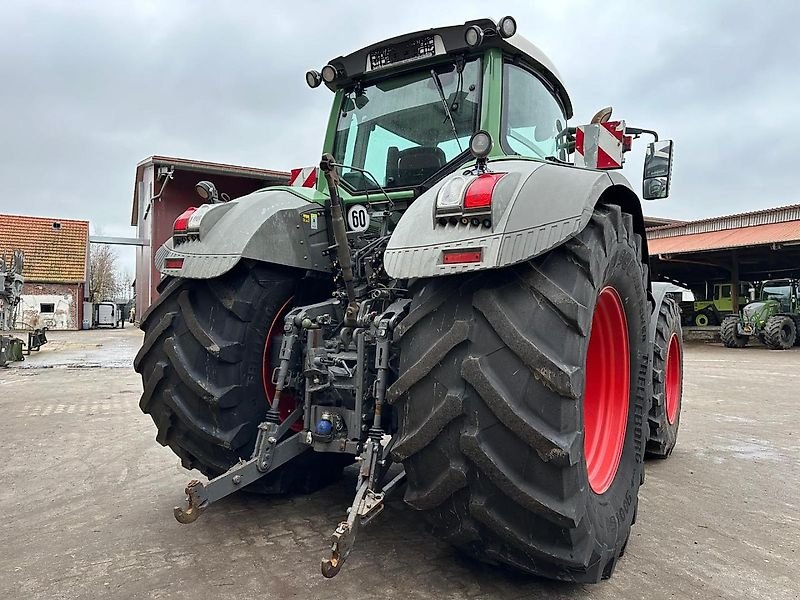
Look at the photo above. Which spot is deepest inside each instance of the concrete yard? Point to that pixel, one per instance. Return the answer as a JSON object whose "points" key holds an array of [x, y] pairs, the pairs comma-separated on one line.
{"points": [[86, 497]]}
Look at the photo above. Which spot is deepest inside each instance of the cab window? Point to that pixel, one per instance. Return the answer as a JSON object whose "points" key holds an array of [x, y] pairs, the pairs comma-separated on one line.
{"points": [[401, 131], [533, 120]]}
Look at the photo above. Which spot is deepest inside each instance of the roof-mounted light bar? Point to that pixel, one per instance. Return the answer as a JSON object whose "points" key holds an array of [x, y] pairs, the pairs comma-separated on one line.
{"points": [[328, 74], [313, 78], [473, 35]]}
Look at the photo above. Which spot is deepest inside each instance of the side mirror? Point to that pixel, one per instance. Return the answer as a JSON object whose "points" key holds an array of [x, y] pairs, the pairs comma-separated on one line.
{"points": [[657, 170], [752, 291]]}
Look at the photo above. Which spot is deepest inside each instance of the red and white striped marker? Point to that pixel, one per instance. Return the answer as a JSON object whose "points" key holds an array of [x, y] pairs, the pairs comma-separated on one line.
{"points": [[306, 177], [600, 145]]}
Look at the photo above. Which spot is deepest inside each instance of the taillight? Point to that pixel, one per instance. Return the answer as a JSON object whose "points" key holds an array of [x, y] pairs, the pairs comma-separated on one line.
{"points": [[181, 224], [479, 192], [466, 200]]}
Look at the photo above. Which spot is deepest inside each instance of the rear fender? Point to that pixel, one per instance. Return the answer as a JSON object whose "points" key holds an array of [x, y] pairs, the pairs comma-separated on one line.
{"points": [[536, 206], [659, 293], [278, 225]]}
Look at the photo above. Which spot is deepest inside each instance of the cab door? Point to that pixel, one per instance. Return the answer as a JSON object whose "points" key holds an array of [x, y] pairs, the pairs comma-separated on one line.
{"points": [[722, 297]]}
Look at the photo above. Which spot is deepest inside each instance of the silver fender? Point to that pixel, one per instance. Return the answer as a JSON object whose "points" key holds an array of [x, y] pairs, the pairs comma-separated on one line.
{"points": [[659, 291], [275, 225], [535, 207]]}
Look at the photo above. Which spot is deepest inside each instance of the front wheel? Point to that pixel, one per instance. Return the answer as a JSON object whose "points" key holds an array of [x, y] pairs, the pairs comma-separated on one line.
{"points": [[780, 332], [521, 400], [729, 333], [665, 408], [797, 330]]}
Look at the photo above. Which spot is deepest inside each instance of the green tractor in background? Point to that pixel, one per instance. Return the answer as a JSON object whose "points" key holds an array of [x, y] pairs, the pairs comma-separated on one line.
{"points": [[703, 313], [775, 318]]}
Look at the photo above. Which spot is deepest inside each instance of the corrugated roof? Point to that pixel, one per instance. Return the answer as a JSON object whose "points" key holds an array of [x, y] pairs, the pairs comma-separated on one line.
{"points": [[54, 254], [780, 214], [757, 235]]}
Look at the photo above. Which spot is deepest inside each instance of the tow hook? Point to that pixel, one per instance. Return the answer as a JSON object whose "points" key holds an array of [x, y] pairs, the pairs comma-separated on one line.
{"points": [[367, 504], [268, 455], [196, 500]]}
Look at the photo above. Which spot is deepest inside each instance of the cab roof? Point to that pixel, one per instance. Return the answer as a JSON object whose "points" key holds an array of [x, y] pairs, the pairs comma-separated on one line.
{"points": [[412, 50]]}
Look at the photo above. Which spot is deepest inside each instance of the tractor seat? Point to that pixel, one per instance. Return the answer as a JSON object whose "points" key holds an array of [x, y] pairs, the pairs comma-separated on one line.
{"points": [[413, 165]]}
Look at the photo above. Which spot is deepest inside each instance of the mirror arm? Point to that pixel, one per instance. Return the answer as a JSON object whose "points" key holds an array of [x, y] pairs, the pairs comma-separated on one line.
{"points": [[637, 132]]}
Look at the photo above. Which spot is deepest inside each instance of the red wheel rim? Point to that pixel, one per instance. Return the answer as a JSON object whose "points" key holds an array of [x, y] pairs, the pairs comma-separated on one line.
{"points": [[672, 378], [274, 333], [607, 391]]}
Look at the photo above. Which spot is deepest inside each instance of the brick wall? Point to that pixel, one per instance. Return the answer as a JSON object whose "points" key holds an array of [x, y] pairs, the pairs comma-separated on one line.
{"points": [[52, 305]]}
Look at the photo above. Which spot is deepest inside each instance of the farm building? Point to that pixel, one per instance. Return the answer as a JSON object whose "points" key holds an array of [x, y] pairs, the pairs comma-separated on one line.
{"points": [[56, 269], [730, 250], [165, 187]]}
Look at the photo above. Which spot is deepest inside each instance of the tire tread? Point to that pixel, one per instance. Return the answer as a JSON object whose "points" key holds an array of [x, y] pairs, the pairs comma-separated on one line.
{"points": [[510, 494]]}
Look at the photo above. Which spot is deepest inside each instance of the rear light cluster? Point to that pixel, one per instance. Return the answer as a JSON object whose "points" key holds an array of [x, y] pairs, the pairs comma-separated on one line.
{"points": [[467, 199], [187, 225], [181, 224]]}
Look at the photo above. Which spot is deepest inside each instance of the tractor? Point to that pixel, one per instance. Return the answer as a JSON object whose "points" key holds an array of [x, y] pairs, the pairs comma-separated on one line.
{"points": [[712, 311], [774, 319], [457, 300]]}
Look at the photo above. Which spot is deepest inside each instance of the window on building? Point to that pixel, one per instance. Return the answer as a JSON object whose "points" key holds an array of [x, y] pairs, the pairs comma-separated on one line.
{"points": [[47, 308]]}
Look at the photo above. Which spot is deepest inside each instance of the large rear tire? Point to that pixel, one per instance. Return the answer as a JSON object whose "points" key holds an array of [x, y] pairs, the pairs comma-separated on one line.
{"points": [[665, 408], [780, 332], [203, 365], [521, 402], [729, 333]]}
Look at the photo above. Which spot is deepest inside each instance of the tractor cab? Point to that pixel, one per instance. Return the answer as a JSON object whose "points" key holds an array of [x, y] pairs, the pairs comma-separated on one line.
{"points": [[405, 109], [781, 291]]}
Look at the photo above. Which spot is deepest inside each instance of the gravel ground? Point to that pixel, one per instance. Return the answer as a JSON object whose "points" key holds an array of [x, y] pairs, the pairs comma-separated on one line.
{"points": [[87, 494]]}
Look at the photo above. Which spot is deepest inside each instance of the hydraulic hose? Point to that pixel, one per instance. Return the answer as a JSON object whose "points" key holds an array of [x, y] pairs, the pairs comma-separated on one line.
{"points": [[340, 240]]}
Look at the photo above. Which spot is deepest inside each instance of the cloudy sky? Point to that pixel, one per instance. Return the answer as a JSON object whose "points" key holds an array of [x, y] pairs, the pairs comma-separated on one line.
{"points": [[88, 89]]}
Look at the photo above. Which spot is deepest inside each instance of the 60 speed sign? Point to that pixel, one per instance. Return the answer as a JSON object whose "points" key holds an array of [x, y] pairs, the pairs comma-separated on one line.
{"points": [[357, 217]]}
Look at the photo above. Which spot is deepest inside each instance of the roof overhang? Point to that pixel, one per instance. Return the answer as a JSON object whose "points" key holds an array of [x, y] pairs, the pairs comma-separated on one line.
{"points": [[269, 176], [353, 67], [758, 245], [771, 234]]}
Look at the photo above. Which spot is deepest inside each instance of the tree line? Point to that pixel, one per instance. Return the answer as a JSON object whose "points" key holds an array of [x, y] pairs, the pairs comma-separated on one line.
{"points": [[106, 280]]}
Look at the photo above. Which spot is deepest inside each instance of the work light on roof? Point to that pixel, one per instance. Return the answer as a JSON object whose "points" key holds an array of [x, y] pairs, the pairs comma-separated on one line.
{"points": [[329, 73], [473, 36], [507, 27], [313, 79]]}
